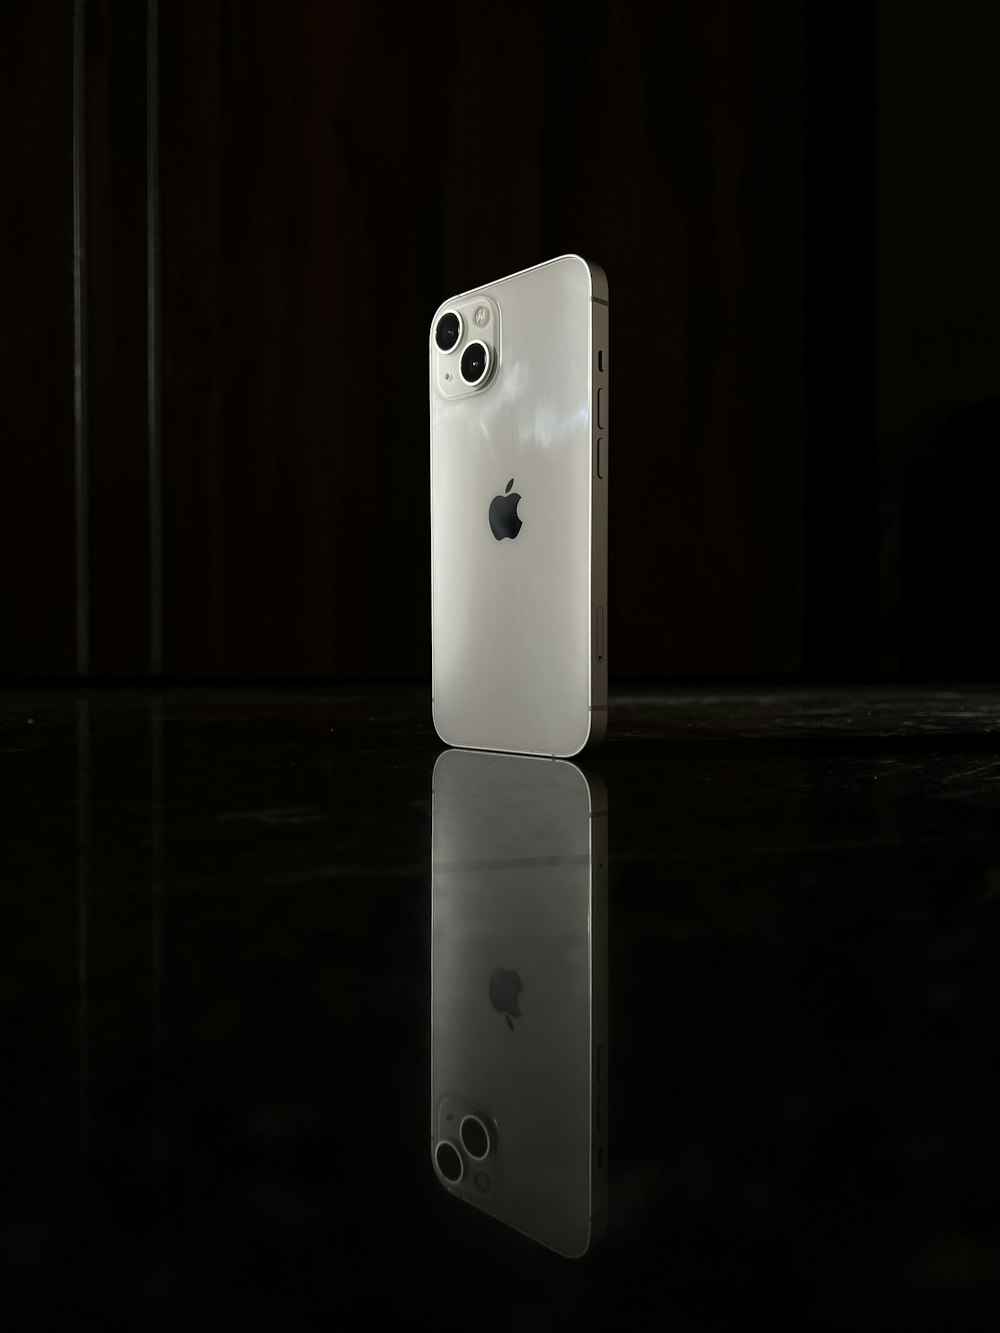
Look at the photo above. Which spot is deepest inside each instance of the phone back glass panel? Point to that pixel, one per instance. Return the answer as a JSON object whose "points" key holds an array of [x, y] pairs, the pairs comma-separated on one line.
{"points": [[512, 517]]}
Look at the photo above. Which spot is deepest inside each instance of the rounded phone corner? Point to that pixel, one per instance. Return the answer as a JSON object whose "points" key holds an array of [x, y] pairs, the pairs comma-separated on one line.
{"points": [[441, 763], [590, 784], [581, 1246], [597, 788], [596, 728], [598, 1233], [595, 273], [438, 731]]}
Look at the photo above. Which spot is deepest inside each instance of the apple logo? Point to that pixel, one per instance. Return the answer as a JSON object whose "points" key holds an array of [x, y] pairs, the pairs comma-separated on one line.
{"points": [[505, 987], [504, 521]]}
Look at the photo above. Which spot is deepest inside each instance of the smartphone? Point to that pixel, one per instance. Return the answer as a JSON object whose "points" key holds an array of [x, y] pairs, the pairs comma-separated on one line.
{"points": [[519, 520], [519, 1008]]}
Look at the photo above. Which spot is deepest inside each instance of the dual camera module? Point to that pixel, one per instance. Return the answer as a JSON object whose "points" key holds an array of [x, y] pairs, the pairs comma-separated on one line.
{"points": [[475, 1140], [474, 364]]}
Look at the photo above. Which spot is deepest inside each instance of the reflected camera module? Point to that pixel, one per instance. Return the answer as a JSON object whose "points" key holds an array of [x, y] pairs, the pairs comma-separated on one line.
{"points": [[475, 1138], [449, 1161]]}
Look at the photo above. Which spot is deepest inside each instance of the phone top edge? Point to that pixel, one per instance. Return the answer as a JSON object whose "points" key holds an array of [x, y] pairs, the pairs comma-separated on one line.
{"points": [[572, 1255], [598, 283]]}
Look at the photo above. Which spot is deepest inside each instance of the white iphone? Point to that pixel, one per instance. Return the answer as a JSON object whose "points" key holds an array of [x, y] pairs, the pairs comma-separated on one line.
{"points": [[519, 465], [519, 1006]]}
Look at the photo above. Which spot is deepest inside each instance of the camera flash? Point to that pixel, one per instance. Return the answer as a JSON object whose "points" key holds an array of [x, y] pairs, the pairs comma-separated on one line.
{"points": [[482, 316]]}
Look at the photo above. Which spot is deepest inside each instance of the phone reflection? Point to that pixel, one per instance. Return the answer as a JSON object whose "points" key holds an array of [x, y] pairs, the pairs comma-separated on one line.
{"points": [[519, 993]]}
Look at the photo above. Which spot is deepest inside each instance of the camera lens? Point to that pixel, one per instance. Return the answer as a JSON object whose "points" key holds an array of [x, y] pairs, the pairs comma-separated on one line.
{"points": [[475, 362], [449, 1162], [448, 331], [474, 1136]]}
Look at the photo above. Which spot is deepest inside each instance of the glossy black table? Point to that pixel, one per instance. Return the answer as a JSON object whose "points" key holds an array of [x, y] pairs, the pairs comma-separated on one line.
{"points": [[215, 936]]}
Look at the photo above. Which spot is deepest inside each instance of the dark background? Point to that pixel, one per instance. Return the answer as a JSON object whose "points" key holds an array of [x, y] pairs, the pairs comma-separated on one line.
{"points": [[215, 912], [798, 210]]}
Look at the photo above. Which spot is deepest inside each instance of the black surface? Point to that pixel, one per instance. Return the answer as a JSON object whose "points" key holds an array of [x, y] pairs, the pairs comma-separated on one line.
{"points": [[215, 951]]}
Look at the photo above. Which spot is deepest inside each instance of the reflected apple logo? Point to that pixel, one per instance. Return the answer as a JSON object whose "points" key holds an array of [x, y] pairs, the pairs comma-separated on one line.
{"points": [[505, 987], [504, 521]]}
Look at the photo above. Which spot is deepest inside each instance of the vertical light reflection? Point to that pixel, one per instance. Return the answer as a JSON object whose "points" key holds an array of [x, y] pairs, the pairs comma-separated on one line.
{"points": [[153, 336], [80, 458], [156, 964], [83, 849]]}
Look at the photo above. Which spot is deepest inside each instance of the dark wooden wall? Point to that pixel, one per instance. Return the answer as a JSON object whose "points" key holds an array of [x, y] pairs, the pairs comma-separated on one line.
{"points": [[328, 172], [37, 569], [938, 335], [117, 451]]}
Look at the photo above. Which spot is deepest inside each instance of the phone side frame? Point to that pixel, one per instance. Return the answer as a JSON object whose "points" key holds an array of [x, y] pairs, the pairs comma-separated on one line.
{"points": [[599, 382]]}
